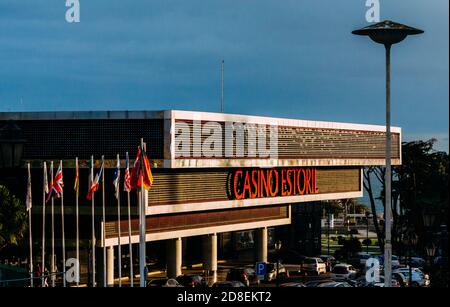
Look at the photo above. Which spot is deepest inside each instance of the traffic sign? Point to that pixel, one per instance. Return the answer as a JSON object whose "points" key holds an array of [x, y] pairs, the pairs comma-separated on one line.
{"points": [[261, 269]]}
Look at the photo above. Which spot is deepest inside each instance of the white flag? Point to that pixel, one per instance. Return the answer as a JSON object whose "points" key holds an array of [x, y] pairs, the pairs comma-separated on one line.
{"points": [[45, 179], [28, 201]]}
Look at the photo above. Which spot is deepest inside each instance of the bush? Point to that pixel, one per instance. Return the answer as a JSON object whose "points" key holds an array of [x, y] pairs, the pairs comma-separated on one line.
{"points": [[353, 231], [367, 242]]}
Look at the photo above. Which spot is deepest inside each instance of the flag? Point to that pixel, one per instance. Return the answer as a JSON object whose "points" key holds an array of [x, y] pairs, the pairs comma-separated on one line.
{"points": [[141, 168], [117, 178], [134, 177], [76, 185], [29, 200], [95, 183], [58, 184], [45, 179], [126, 179], [147, 177]]}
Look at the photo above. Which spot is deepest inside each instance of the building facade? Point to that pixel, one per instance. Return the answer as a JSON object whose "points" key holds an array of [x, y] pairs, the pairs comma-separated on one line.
{"points": [[213, 173]]}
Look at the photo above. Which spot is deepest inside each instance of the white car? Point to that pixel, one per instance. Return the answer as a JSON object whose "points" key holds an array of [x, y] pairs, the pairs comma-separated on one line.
{"points": [[419, 279], [343, 271], [315, 265]]}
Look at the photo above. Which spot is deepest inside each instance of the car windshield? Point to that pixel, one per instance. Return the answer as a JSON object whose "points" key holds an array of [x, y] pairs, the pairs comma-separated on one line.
{"points": [[319, 260], [310, 260]]}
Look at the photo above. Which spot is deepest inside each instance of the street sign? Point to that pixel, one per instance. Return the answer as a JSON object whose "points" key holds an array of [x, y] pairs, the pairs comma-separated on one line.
{"points": [[261, 269]]}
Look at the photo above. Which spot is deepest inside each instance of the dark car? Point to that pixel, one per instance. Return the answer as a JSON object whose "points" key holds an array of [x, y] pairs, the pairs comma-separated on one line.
{"points": [[191, 281], [163, 282], [245, 275], [228, 284]]}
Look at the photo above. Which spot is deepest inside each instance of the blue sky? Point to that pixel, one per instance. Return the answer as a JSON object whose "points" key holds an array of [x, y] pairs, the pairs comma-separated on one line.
{"points": [[283, 58]]}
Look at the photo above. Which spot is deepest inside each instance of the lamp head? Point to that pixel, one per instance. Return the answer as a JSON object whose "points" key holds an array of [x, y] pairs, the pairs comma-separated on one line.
{"points": [[387, 32]]}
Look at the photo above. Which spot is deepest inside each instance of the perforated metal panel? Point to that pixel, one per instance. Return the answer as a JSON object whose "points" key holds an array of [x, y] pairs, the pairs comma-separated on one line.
{"points": [[65, 139], [312, 143]]}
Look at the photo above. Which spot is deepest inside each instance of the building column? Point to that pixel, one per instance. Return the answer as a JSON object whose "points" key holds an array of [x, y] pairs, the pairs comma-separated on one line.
{"points": [[210, 256], [174, 257], [110, 266], [261, 244]]}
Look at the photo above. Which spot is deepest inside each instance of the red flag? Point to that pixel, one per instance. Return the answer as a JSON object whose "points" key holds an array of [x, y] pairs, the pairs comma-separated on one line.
{"points": [[141, 168]]}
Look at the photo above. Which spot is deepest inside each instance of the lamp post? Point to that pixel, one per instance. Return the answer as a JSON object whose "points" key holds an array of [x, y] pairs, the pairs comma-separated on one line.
{"points": [[367, 232], [277, 249], [388, 33], [410, 240], [431, 250]]}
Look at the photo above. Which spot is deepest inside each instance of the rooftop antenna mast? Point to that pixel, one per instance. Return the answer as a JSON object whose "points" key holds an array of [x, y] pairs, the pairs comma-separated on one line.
{"points": [[221, 99]]}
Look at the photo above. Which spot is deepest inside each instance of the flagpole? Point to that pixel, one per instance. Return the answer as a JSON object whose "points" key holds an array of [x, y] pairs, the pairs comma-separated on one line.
{"points": [[103, 224], [142, 230], [63, 236], [29, 206], [52, 261], [77, 221], [93, 224], [118, 218], [43, 223], [130, 245]]}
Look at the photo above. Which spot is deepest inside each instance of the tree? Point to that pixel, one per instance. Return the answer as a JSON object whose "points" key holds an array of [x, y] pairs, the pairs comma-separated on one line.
{"points": [[423, 185], [13, 219], [420, 183]]}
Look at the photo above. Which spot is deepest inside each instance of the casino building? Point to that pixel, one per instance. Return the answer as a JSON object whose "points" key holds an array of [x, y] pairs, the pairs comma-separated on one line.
{"points": [[214, 175]]}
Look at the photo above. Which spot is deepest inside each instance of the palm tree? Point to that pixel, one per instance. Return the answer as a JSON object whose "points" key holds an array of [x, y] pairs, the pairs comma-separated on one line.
{"points": [[13, 219]]}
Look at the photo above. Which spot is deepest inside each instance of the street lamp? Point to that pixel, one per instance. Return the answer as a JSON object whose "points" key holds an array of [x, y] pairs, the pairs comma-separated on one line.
{"points": [[388, 33], [367, 232], [428, 219], [11, 145], [277, 249]]}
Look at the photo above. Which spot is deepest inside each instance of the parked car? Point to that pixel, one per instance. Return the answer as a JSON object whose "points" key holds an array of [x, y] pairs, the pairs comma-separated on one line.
{"points": [[293, 285], [316, 282], [417, 262], [314, 265], [164, 282], [401, 278], [343, 271], [362, 282], [329, 260], [228, 284], [191, 281], [395, 261], [272, 272], [334, 284], [245, 275], [419, 279]]}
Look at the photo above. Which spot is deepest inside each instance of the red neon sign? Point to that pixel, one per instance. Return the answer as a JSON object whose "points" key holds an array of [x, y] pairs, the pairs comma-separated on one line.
{"points": [[273, 182]]}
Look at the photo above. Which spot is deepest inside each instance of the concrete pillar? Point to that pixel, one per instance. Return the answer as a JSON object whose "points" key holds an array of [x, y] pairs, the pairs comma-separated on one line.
{"points": [[210, 256], [174, 257], [110, 266], [261, 244]]}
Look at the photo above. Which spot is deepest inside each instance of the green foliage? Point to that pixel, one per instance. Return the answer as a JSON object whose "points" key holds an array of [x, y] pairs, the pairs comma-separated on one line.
{"points": [[349, 247], [13, 219]]}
